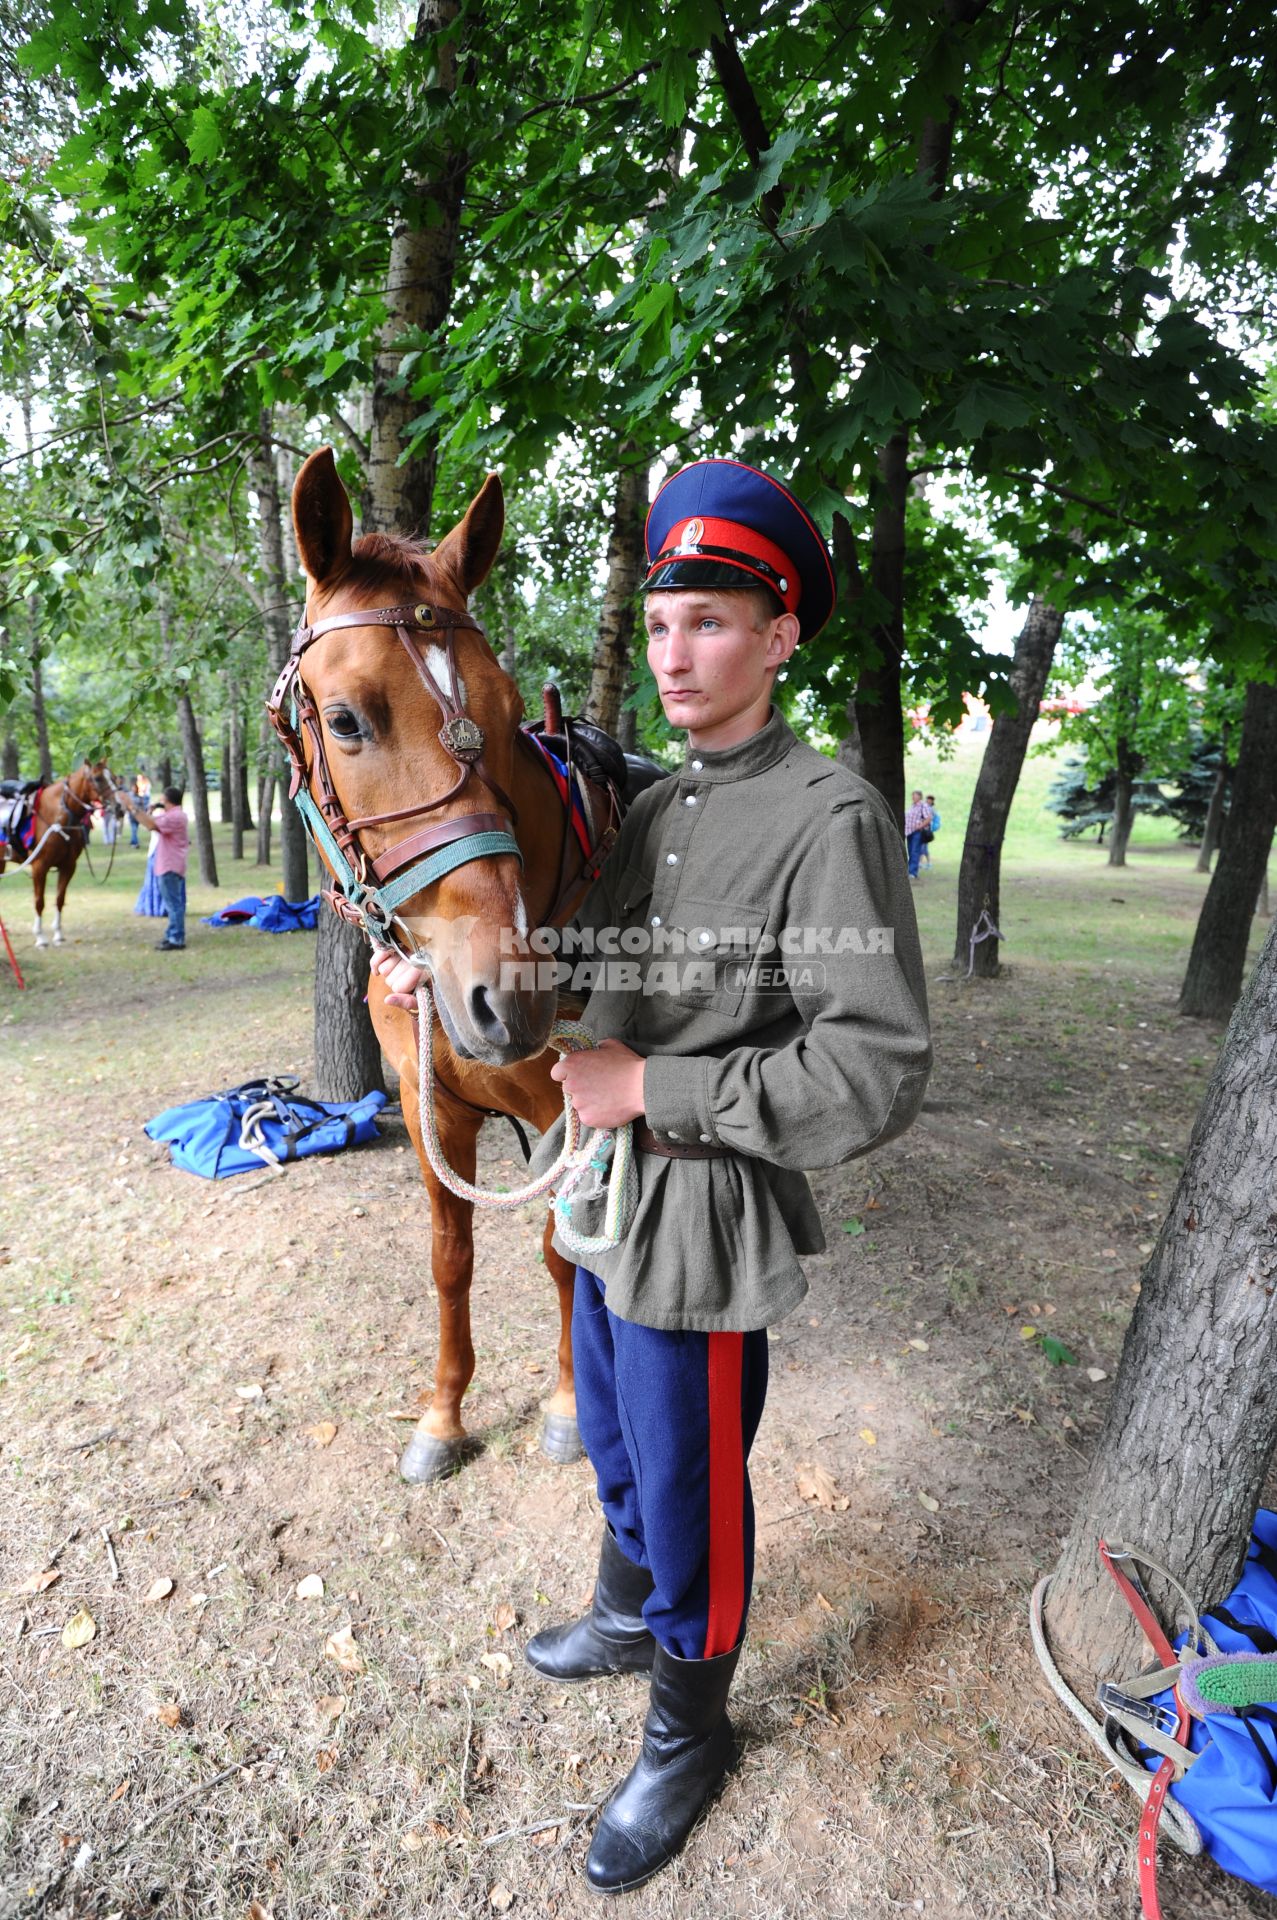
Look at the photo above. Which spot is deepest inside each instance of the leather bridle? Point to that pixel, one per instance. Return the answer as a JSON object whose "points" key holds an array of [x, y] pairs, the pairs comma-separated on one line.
{"points": [[370, 890]]}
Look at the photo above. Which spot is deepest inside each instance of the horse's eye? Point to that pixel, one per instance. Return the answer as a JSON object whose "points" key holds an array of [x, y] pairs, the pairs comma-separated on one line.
{"points": [[342, 723]]}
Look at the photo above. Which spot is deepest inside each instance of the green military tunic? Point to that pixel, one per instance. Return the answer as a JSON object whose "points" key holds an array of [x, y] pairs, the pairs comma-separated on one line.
{"points": [[777, 995]]}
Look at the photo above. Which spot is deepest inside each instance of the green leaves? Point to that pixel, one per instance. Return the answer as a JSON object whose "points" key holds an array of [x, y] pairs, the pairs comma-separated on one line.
{"points": [[204, 136]]}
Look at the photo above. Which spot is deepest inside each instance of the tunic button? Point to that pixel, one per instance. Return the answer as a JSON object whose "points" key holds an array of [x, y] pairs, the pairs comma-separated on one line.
{"points": [[697, 766], [656, 919], [690, 800], [704, 937], [671, 1135], [671, 859], [705, 1139]]}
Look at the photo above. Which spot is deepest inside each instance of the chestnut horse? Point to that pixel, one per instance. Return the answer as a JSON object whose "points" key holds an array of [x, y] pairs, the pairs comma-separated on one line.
{"points": [[386, 651], [63, 813]]}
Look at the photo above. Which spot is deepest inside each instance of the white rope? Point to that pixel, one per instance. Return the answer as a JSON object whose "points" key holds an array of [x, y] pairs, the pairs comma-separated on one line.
{"points": [[253, 1140], [578, 1159], [1179, 1825]]}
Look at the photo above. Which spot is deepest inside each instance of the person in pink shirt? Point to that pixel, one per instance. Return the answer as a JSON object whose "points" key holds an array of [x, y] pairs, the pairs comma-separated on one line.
{"points": [[172, 830]]}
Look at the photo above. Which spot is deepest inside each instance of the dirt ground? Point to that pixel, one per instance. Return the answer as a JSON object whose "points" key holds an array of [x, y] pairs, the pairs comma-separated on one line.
{"points": [[208, 1386]]}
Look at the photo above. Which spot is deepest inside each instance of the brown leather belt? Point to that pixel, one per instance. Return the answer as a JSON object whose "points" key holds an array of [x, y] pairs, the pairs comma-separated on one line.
{"points": [[648, 1142]]}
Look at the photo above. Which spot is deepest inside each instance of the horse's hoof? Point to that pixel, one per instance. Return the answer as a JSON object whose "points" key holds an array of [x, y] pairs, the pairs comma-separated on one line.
{"points": [[561, 1439], [425, 1459], [57, 939], [41, 941]]}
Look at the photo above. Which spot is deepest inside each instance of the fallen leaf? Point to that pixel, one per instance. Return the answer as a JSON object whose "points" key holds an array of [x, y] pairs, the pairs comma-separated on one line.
{"points": [[39, 1581], [853, 1226], [1027, 1333], [326, 1759], [825, 1604], [501, 1898], [257, 1911], [498, 1663], [250, 1392], [437, 1830], [1023, 1415], [23, 1347], [920, 1345], [1096, 1373], [79, 1629], [1057, 1353], [505, 1617], [925, 1500], [412, 1841], [816, 1483], [121, 1790], [169, 1714], [548, 1838], [869, 1437], [341, 1649], [158, 1590], [323, 1433], [872, 1205], [311, 1588], [331, 1706]]}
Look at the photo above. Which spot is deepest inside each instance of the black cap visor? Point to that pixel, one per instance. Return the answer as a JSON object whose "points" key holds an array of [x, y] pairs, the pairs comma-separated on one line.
{"points": [[674, 575]]}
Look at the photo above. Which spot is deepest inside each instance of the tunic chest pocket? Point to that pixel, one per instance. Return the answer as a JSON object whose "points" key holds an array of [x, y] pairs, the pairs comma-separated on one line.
{"points": [[720, 945]]}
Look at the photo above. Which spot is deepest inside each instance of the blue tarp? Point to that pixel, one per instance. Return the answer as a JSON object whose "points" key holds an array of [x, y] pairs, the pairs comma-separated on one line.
{"points": [[269, 914], [204, 1135]]}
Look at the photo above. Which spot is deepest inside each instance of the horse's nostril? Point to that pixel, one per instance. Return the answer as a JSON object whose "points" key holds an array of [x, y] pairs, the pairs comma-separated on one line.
{"points": [[487, 1020]]}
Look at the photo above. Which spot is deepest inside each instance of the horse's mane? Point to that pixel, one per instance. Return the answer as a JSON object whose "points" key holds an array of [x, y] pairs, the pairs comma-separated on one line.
{"points": [[380, 559]]}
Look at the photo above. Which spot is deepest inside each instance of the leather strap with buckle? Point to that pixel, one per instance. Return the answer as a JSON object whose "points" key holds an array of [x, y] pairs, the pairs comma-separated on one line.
{"points": [[649, 1142]]}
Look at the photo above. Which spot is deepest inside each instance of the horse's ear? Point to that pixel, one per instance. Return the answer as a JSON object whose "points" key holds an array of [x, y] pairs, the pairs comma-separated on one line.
{"points": [[322, 518], [468, 551]]}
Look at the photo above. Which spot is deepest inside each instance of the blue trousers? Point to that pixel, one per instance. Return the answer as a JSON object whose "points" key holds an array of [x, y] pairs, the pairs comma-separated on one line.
{"points": [[915, 844], [173, 894], [668, 1420]]}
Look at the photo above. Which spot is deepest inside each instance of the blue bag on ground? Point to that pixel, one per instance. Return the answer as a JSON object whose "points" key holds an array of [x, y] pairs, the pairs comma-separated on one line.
{"points": [[259, 1124], [1231, 1790], [269, 914]]}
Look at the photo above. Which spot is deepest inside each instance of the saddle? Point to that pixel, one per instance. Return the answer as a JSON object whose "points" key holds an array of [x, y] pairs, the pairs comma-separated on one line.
{"points": [[601, 759], [17, 812], [18, 789]]}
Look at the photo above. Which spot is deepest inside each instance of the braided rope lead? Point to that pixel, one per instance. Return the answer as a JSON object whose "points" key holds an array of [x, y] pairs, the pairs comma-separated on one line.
{"points": [[577, 1159]]}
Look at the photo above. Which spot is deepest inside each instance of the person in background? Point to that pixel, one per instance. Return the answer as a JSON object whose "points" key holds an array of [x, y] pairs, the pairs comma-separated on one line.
{"points": [[917, 820], [930, 832], [142, 793], [173, 839]]}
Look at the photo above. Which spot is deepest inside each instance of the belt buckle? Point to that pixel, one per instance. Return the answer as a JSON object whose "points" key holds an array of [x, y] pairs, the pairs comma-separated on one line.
{"points": [[1115, 1700]]}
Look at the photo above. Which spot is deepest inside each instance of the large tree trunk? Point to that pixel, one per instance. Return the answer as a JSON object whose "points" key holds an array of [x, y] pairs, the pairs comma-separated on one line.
{"points": [[417, 296], [1217, 962], [193, 753], [10, 765], [1192, 1424], [980, 874], [1128, 765], [1215, 809], [879, 702], [613, 646], [292, 832], [347, 1056]]}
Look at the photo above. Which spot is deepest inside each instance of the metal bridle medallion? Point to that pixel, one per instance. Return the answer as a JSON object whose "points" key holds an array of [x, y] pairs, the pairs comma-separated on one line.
{"points": [[462, 738]]}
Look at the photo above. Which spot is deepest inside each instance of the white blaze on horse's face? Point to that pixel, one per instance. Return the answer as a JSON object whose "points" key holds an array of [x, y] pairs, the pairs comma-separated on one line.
{"points": [[437, 661]]}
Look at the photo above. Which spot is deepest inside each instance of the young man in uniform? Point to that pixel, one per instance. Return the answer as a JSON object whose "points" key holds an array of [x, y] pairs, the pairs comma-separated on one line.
{"points": [[780, 1023]]}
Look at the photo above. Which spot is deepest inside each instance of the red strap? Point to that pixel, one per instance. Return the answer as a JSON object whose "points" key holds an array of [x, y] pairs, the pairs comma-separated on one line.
{"points": [[1156, 1800]]}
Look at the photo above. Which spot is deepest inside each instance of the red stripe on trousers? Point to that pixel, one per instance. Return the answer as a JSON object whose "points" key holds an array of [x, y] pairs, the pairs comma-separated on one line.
{"points": [[726, 1495]]}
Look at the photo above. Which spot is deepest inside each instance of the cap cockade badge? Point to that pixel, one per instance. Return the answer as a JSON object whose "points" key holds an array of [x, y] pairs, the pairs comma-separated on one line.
{"points": [[462, 738], [693, 534]]}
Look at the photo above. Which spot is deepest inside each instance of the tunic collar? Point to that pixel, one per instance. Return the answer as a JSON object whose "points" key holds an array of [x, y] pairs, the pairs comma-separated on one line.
{"points": [[747, 758]]}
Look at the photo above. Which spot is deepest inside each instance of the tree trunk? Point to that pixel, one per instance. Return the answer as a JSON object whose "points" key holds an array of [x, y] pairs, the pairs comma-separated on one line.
{"points": [[198, 783], [1218, 960], [292, 832], [879, 704], [1129, 763], [1262, 907], [235, 778], [417, 296], [1192, 1424], [224, 785], [265, 809], [10, 765], [45, 768], [347, 1056], [240, 768], [1214, 813], [610, 669], [980, 874], [164, 772]]}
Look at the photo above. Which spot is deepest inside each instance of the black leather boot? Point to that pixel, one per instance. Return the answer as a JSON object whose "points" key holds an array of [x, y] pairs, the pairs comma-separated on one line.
{"points": [[687, 1750], [612, 1637]]}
